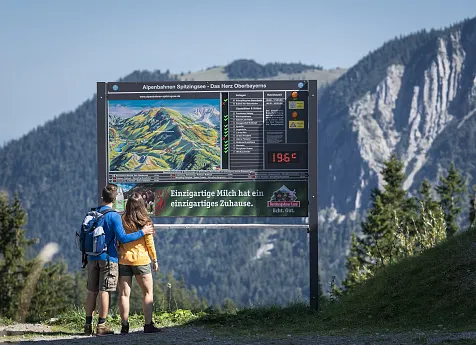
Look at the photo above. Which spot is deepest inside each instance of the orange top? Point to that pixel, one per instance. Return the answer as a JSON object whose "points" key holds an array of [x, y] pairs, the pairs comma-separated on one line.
{"points": [[137, 252]]}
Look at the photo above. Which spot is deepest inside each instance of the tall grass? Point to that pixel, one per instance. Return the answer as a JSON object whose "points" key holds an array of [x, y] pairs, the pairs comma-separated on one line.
{"points": [[74, 319]]}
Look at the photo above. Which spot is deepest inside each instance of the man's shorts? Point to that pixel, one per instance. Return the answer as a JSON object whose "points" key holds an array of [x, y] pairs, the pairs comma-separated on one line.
{"points": [[102, 276], [129, 270]]}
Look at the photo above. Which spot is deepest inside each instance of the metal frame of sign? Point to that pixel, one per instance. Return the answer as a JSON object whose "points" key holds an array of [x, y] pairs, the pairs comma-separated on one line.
{"points": [[311, 225]]}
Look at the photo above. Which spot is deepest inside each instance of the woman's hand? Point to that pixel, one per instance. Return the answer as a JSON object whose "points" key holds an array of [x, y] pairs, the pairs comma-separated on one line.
{"points": [[148, 229], [155, 266]]}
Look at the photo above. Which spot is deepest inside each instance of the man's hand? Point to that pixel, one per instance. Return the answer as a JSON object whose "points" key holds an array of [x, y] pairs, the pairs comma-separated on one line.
{"points": [[155, 266], [148, 229]]}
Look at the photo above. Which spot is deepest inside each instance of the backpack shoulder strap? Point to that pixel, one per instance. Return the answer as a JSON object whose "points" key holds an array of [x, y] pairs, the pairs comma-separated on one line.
{"points": [[106, 211]]}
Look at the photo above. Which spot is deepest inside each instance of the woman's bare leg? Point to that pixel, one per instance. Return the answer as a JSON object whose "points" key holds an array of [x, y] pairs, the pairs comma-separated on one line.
{"points": [[145, 282], [124, 295]]}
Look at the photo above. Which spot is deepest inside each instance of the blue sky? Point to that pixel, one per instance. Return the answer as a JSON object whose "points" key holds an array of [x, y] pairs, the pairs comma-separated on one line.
{"points": [[53, 51]]}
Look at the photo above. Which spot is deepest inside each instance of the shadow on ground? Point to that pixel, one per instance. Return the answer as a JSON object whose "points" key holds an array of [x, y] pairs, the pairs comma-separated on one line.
{"points": [[171, 335]]}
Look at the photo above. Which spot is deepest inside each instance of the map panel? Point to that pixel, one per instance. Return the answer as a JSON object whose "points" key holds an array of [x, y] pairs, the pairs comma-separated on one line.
{"points": [[151, 135]]}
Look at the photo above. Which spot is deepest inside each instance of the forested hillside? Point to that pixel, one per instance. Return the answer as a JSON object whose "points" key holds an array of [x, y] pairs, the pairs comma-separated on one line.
{"points": [[241, 69]]}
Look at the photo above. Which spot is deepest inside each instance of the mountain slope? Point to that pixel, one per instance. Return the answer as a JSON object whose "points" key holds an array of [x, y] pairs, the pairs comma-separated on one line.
{"points": [[248, 69], [425, 299], [434, 289]]}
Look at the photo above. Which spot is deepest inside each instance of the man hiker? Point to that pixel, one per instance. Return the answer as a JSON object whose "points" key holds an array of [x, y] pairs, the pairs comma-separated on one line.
{"points": [[103, 270]]}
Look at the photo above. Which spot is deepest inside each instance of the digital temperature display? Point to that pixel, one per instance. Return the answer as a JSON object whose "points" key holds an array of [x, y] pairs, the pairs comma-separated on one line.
{"points": [[284, 157]]}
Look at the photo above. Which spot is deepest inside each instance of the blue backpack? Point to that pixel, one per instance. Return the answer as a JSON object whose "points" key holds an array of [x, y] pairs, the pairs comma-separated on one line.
{"points": [[91, 239]]}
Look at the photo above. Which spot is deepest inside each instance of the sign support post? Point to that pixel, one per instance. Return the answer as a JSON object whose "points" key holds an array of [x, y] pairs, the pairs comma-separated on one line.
{"points": [[313, 215], [101, 105]]}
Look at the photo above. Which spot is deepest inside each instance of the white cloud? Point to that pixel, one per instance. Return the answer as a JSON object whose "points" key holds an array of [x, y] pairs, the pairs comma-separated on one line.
{"points": [[123, 111]]}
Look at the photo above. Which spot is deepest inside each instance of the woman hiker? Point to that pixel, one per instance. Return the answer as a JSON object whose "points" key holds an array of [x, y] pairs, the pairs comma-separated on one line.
{"points": [[134, 259]]}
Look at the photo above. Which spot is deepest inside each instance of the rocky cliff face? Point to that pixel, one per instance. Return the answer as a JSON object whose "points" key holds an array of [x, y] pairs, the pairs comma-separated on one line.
{"points": [[405, 112]]}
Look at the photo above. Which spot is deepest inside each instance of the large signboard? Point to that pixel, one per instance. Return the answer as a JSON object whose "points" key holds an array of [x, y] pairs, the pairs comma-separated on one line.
{"points": [[228, 148]]}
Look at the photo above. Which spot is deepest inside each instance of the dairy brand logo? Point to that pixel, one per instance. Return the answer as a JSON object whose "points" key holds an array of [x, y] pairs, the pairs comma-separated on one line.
{"points": [[284, 197]]}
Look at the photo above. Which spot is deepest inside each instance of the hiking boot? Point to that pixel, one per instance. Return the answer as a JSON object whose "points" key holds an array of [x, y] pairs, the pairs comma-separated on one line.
{"points": [[102, 329], [150, 328], [88, 329], [125, 329]]}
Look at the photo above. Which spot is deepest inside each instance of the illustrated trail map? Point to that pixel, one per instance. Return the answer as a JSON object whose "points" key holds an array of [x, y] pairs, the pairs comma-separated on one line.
{"points": [[164, 135]]}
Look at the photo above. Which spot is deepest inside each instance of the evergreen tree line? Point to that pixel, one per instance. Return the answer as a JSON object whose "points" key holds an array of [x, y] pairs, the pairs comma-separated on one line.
{"points": [[244, 68], [398, 225], [30, 292]]}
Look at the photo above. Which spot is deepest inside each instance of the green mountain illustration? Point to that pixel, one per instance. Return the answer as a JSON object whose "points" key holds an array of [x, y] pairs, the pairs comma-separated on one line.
{"points": [[162, 139]]}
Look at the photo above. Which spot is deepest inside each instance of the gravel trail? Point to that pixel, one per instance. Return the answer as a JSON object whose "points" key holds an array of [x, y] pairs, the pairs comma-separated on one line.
{"points": [[28, 334]]}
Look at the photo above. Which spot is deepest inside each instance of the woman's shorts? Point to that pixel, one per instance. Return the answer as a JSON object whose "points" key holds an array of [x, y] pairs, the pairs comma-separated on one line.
{"points": [[129, 270]]}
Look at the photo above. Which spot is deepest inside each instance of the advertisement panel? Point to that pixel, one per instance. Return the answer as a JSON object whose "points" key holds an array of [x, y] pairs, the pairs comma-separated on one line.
{"points": [[219, 199]]}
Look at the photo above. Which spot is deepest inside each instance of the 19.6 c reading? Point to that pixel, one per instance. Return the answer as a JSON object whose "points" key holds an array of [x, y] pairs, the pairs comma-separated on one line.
{"points": [[284, 156]]}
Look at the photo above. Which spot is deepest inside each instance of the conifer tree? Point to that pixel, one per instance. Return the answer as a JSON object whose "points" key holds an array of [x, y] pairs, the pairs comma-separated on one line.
{"points": [[396, 226], [13, 266], [379, 245], [52, 293], [450, 190], [426, 198], [428, 229], [388, 206], [431, 228], [356, 268], [229, 306]]}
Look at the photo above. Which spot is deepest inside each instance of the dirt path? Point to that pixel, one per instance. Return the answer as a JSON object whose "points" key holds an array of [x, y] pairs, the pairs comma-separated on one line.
{"points": [[27, 334]]}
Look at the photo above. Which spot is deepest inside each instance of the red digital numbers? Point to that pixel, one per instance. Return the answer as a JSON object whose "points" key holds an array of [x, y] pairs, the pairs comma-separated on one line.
{"points": [[284, 157]]}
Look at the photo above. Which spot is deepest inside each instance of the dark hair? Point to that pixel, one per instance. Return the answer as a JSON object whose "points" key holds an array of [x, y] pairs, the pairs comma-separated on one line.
{"points": [[109, 193], [136, 216]]}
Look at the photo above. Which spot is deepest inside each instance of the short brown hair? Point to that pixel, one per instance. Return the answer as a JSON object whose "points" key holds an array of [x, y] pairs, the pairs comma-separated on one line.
{"points": [[109, 193]]}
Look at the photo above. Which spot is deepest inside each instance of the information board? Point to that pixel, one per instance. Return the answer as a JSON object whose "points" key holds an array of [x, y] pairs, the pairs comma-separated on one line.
{"points": [[207, 149]]}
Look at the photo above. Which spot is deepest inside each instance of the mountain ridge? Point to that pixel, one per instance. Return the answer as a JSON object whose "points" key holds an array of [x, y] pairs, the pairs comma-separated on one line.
{"points": [[215, 73], [206, 114]]}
